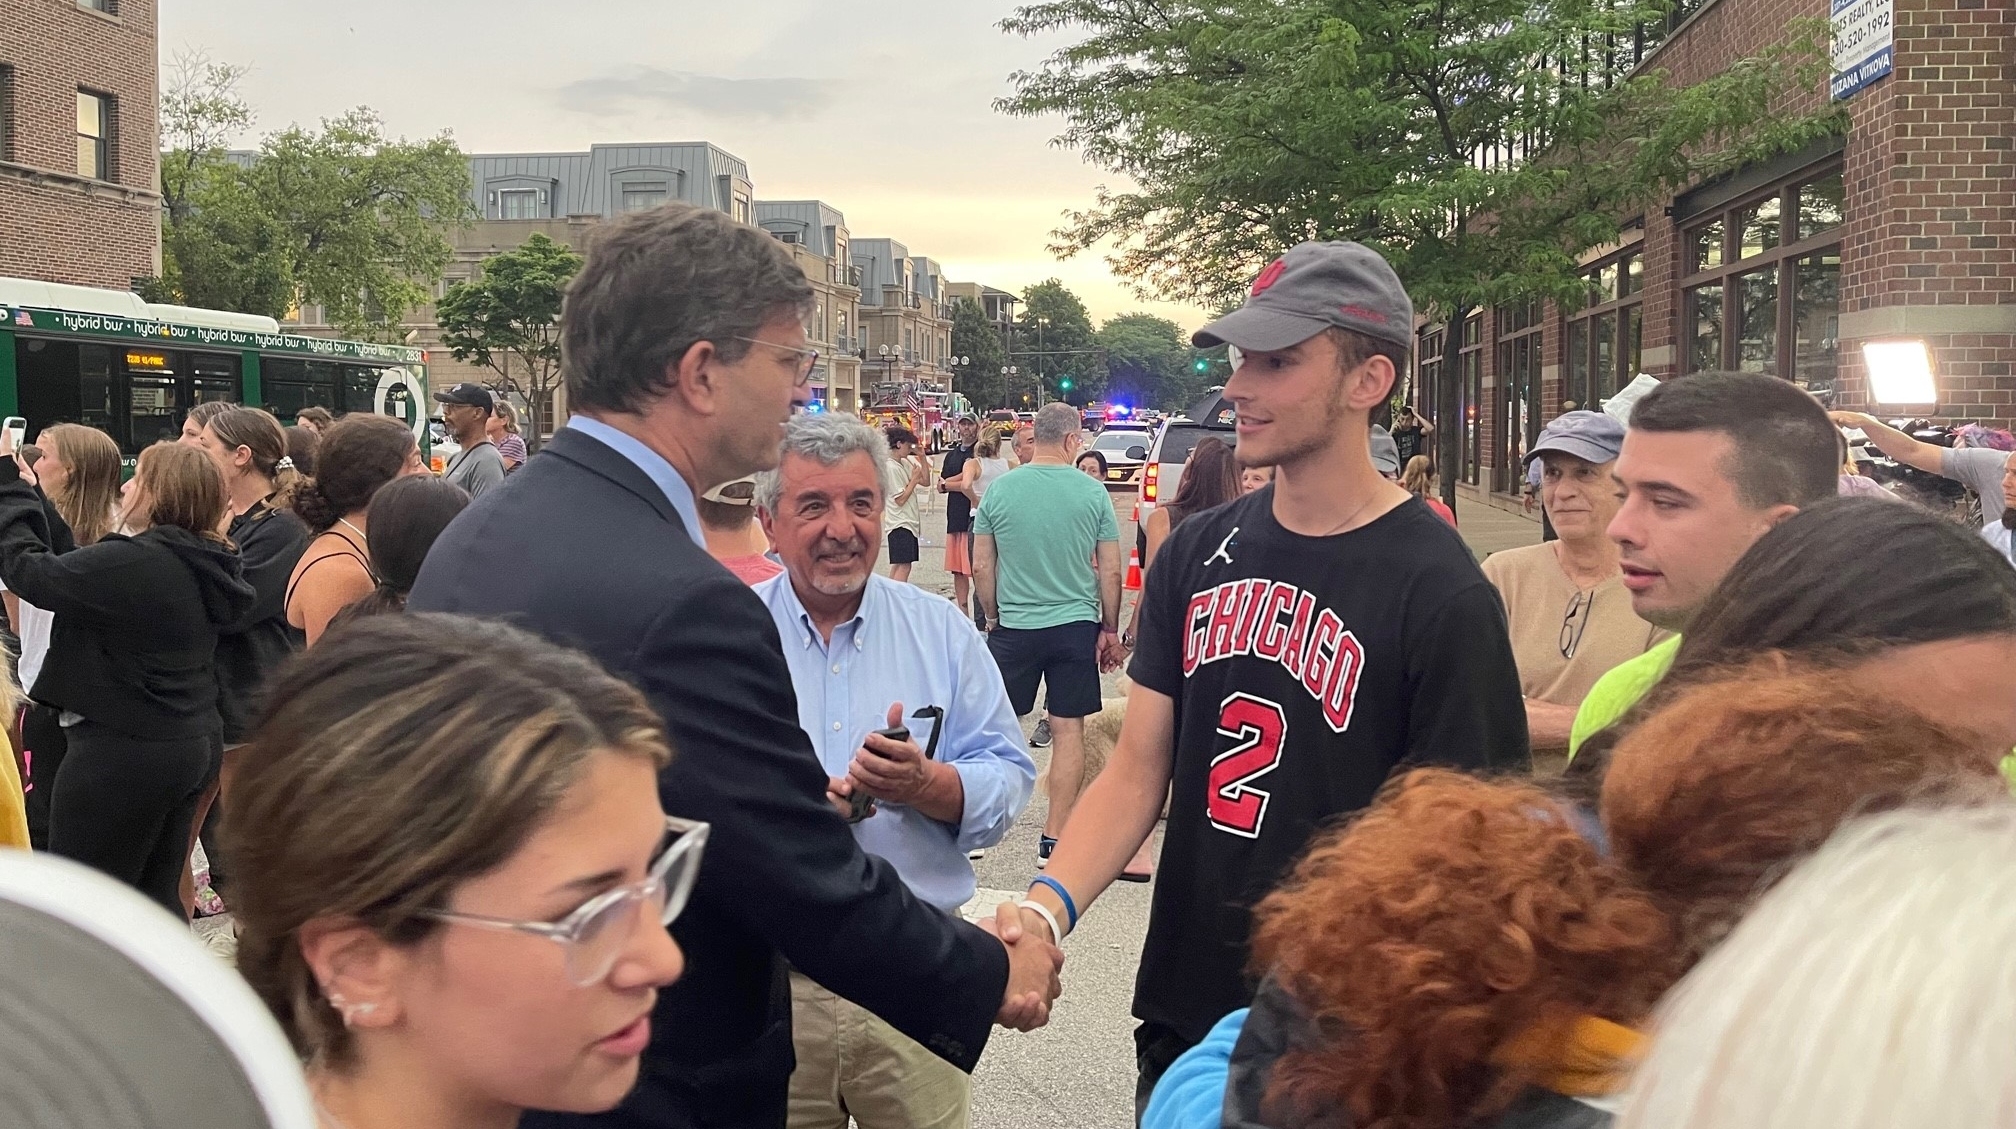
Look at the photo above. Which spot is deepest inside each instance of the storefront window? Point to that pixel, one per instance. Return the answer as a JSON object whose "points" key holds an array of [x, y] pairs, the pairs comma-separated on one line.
{"points": [[1705, 351], [1758, 227], [1820, 205], [1602, 354], [1704, 245], [1519, 407], [1578, 362], [1472, 369], [1816, 314], [1779, 314]]}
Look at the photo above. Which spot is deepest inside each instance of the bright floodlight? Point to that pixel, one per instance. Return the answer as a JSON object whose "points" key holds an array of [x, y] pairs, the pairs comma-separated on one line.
{"points": [[1900, 372]]}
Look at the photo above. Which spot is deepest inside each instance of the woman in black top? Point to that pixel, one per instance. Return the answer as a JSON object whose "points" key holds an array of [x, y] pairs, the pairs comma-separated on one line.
{"points": [[249, 448], [131, 661], [359, 454]]}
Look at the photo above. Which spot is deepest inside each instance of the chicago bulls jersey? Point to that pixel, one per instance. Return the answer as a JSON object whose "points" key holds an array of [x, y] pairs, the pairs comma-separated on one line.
{"points": [[1304, 669]]}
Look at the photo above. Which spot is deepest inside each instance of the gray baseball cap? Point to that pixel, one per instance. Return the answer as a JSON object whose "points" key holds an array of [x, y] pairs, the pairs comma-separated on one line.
{"points": [[1385, 452], [1314, 287], [1594, 436]]}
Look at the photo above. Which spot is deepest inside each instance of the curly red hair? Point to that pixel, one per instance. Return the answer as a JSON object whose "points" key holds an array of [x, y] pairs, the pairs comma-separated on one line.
{"points": [[1453, 915], [1713, 797]]}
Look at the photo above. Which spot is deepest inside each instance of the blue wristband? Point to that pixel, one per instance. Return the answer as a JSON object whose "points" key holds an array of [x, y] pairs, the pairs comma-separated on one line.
{"points": [[1056, 887]]}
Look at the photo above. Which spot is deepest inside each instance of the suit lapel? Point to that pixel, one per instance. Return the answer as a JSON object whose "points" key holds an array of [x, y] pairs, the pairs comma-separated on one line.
{"points": [[597, 457]]}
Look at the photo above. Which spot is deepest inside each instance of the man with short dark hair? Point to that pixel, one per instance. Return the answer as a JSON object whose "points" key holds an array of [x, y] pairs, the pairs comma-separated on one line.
{"points": [[466, 409], [1296, 647], [1709, 464], [1025, 444], [684, 344]]}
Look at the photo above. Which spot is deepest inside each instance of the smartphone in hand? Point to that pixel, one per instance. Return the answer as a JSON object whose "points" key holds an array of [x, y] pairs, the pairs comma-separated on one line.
{"points": [[860, 802]]}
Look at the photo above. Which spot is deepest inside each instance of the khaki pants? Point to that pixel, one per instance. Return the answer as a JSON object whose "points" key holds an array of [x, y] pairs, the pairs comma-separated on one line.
{"points": [[851, 1064]]}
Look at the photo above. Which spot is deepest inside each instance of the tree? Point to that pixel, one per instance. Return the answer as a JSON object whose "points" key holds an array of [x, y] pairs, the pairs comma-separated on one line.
{"points": [[509, 322], [1481, 145], [1147, 361], [343, 216], [1053, 339], [975, 336]]}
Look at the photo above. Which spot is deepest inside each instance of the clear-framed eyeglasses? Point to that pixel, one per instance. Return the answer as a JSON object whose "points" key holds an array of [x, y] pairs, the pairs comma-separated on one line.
{"points": [[595, 934], [811, 356]]}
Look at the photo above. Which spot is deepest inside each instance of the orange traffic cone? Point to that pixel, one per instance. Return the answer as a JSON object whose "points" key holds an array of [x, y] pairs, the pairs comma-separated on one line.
{"points": [[1133, 570]]}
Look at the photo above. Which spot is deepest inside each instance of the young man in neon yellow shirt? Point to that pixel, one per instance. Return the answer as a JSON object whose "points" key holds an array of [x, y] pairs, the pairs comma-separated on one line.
{"points": [[1711, 462]]}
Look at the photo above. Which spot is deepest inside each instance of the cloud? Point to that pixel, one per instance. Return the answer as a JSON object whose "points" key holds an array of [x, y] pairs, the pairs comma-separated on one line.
{"points": [[651, 88]]}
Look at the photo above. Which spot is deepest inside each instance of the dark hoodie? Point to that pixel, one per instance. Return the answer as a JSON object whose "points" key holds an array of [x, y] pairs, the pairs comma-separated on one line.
{"points": [[137, 618], [270, 543]]}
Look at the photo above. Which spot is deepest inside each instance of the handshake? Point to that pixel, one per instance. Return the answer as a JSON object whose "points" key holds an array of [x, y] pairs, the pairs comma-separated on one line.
{"points": [[1035, 967]]}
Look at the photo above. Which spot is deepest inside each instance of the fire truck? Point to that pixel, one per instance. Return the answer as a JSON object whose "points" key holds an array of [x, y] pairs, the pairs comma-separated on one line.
{"points": [[926, 412]]}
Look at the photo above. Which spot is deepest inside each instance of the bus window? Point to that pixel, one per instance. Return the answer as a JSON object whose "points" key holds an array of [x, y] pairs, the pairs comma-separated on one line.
{"points": [[213, 376], [360, 388], [291, 385], [154, 411]]}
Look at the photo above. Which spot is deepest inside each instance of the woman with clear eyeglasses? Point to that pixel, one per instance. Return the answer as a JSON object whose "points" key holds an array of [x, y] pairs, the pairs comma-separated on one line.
{"points": [[454, 874]]}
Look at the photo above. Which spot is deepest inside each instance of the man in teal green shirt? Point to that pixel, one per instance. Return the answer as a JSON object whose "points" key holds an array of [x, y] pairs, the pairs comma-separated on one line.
{"points": [[1711, 462], [1046, 564]]}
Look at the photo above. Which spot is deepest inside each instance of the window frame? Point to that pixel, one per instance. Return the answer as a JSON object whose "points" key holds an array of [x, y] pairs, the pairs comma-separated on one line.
{"points": [[1622, 307], [1781, 259], [1521, 328], [102, 141]]}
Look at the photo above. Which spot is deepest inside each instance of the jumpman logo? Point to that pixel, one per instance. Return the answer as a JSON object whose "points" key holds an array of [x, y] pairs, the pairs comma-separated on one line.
{"points": [[1224, 549]]}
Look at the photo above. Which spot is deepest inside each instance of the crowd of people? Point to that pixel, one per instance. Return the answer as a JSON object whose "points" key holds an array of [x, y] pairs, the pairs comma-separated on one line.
{"points": [[616, 786]]}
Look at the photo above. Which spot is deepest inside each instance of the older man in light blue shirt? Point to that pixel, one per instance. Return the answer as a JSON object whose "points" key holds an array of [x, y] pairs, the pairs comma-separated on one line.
{"points": [[866, 653]]}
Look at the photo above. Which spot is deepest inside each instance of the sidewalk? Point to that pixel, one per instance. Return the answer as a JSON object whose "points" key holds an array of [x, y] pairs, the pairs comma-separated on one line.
{"points": [[1488, 528]]}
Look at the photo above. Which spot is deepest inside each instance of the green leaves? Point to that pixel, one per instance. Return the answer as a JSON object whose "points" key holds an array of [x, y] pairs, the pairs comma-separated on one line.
{"points": [[1148, 362], [1481, 144], [342, 216], [974, 336], [509, 320]]}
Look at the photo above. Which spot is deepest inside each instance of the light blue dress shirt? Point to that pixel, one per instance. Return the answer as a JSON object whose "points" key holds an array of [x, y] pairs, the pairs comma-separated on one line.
{"points": [[653, 465], [907, 645]]}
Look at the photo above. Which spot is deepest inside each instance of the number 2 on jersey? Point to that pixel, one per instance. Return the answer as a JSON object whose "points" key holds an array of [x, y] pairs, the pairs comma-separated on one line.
{"points": [[1257, 728]]}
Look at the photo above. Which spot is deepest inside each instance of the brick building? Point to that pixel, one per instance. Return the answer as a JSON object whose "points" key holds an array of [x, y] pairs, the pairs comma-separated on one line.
{"points": [[1904, 228], [79, 141]]}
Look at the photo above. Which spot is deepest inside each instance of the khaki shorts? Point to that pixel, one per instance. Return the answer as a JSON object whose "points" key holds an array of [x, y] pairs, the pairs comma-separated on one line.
{"points": [[851, 1064]]}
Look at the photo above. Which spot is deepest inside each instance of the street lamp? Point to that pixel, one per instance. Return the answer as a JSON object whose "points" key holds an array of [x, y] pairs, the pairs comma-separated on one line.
{"points": [[1009, 373]]}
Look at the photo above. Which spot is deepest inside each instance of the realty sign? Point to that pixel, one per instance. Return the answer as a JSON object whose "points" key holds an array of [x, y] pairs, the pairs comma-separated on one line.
{"points": [[1862, 52]]}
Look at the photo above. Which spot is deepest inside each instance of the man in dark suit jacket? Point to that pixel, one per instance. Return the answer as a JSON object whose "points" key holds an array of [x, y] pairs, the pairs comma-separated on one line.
{"points": [[684, 356]]}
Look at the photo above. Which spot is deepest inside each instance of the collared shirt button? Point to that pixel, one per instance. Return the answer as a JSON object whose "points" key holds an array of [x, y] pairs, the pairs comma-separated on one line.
{"points": [[836, 727], [836, 668]]}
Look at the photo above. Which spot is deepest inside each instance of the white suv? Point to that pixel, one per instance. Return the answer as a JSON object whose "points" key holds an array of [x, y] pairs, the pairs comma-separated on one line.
{"points": [[1163, 472]]}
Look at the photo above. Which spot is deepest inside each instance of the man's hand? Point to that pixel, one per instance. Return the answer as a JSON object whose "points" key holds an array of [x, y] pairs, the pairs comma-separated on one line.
{"points": [[1112, 652], [895, 771], [1034, 978], [840, 793]]}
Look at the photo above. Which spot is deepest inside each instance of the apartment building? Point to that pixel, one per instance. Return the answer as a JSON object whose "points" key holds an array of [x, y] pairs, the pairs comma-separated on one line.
{"points": [[816, 234], [79, 141], [564, 196], [905, 318]]}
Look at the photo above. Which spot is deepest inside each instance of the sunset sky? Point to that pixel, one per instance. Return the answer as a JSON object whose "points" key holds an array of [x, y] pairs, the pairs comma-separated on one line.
{"points": [[883, 110]]}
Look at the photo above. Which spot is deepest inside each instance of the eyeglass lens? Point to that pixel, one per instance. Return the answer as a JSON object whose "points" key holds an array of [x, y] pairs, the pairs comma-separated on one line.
{"points": [[602, 937], [1571, 626]]}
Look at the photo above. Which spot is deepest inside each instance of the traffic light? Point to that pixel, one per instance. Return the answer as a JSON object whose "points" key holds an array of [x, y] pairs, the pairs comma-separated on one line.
{"points": [[1064, 384], [1201, 364]]}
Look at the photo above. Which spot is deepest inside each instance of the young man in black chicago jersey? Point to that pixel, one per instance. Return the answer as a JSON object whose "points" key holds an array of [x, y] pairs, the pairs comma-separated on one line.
{"points": [[1295, 647]]}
